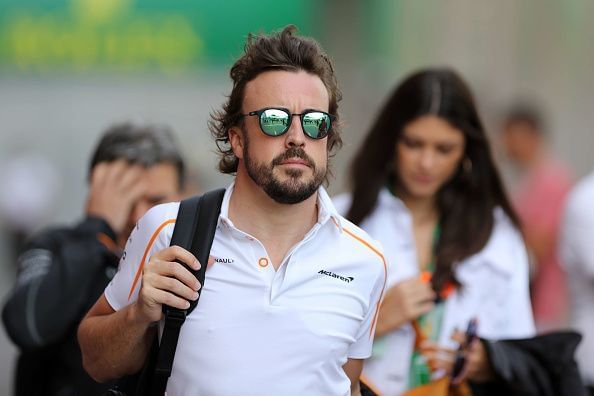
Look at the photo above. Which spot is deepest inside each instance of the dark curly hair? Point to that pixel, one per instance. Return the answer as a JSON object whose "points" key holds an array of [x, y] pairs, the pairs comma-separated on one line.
{"points": [[277, 51]]}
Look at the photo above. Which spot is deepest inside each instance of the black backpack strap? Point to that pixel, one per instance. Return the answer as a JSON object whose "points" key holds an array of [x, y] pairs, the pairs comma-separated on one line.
{"points": [[194, 230]]}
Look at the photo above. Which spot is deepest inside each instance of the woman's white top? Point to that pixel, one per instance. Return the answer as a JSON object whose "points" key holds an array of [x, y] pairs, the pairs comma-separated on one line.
{"points": [[494, 288]]}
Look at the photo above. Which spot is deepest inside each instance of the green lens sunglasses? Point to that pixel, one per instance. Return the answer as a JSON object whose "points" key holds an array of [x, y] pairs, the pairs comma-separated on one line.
{"points": [[275, 121]]}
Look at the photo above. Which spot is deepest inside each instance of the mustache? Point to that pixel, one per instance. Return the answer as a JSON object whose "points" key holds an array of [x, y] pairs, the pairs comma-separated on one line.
{"points": [[295, 152]]}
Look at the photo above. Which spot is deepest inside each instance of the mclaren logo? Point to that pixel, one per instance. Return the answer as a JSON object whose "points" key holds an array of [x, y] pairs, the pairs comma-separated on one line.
{"points": [[347, 279]]}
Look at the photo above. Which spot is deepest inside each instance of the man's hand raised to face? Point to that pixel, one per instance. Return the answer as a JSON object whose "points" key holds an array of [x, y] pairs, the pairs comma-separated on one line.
{"points": [[115, 188]]}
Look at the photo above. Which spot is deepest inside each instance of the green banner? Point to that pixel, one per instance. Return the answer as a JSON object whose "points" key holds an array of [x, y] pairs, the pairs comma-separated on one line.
{"points": [[167, 36]]}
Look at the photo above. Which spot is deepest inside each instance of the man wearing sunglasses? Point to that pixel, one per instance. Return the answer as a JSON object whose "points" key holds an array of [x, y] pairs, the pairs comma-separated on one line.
{"points": [[292, 289]]}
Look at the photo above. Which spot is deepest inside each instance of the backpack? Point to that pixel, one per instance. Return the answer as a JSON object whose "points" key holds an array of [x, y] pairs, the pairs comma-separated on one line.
{"points": [[194, 230]]}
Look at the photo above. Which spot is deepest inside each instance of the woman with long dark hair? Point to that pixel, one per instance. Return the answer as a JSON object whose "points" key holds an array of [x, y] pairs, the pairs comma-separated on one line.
{"points": [[425, 185]]}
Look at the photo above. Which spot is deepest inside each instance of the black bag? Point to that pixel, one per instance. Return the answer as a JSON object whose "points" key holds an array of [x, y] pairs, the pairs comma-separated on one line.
{"points": [[194, 230], [366, 390], [539, 366]]}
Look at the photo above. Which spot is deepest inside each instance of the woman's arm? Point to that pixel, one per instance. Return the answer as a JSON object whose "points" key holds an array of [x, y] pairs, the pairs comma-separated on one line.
{"points": [[404, 302]]}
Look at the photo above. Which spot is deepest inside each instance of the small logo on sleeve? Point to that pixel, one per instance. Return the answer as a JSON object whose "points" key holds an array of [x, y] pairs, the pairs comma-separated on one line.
{"points": [[347, 279]]}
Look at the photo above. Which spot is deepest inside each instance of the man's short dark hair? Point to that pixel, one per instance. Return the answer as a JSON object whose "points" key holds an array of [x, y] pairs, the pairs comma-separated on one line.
{"points": [[278, 51], [523, 112], [146, 145]]}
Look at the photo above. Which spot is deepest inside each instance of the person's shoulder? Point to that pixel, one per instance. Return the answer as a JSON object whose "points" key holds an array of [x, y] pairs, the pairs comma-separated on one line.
{"points": [[353, 237], [52, 232], [502, 223], [151, 233], [157, 219], [582, 195], [505, 234], [86, 227], [361, 241], [385, 202], [505, 244], [159, 214], [358, 247], [50, 236]]}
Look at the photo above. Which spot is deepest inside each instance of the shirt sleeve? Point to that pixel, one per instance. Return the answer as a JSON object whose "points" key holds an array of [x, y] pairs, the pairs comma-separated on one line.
{"points": [[151, 234], [577, 249], [519, 306], [361, 348], [503, 286]]}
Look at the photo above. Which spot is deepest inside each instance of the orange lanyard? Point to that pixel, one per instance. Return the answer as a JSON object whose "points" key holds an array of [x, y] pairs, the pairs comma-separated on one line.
{"points": [[447, 291]]}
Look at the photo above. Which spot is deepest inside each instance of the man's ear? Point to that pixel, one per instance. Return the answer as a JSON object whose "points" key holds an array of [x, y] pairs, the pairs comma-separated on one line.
{"points": [[236, 139]]}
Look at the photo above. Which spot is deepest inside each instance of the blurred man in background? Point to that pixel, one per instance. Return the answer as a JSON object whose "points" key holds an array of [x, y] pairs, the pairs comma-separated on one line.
{"points": [[539, 198], [577, 252], [62, 271]]}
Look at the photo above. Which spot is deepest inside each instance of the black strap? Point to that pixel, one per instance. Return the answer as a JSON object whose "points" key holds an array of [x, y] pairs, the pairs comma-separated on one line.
{"points": [[194, 229]]}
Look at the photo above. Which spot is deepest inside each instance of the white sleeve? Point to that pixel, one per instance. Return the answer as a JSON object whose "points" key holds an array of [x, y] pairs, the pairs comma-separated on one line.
{"points": [[361, 348], [519, 306], [507, 310], [151, 234], [577, 244]]}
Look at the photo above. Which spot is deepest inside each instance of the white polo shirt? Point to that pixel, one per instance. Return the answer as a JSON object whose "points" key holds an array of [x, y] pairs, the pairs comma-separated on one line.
{"points": [[257, 331], [494, 280]]}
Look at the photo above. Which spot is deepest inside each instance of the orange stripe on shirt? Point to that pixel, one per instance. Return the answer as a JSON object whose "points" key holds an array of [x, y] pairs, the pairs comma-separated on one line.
{"points": [[368, 245], [146, 250]]}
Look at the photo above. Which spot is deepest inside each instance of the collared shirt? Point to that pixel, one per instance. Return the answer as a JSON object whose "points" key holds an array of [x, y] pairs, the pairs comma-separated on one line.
{"points": [[494, 287], [577, 251], [261, 331]]}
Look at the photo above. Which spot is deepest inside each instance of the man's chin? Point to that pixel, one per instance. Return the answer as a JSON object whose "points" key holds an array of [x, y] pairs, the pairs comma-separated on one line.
{"points": [[290, 192], [293, 174], [289, 198]]}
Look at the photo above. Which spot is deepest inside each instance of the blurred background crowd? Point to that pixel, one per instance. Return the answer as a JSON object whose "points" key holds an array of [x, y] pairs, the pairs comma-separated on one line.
{"points": [[71, 68]]}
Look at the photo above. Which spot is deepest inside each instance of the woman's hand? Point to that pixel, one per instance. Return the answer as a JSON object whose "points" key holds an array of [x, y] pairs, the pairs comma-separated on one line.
{"points": [[403, 303], [476, 367]]}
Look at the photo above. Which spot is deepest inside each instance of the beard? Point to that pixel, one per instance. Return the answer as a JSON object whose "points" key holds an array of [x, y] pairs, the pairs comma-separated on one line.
{"points": [[294, 189]]}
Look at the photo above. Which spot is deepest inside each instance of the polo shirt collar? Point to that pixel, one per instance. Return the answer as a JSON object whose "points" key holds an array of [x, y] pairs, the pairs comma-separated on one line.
{"points": [[224, 215], [326, 209]]}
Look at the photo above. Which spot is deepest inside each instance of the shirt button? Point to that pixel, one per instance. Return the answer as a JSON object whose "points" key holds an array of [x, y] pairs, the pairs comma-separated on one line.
{"points": [[263, 262]]}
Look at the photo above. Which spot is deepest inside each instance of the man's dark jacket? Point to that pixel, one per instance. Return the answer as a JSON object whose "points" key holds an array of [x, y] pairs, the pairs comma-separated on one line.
{"points": [[62, 272], [540, 366]]}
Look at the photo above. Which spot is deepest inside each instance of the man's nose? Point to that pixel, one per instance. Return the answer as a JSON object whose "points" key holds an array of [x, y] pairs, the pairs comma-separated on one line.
{"points": [[295, 134]]}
